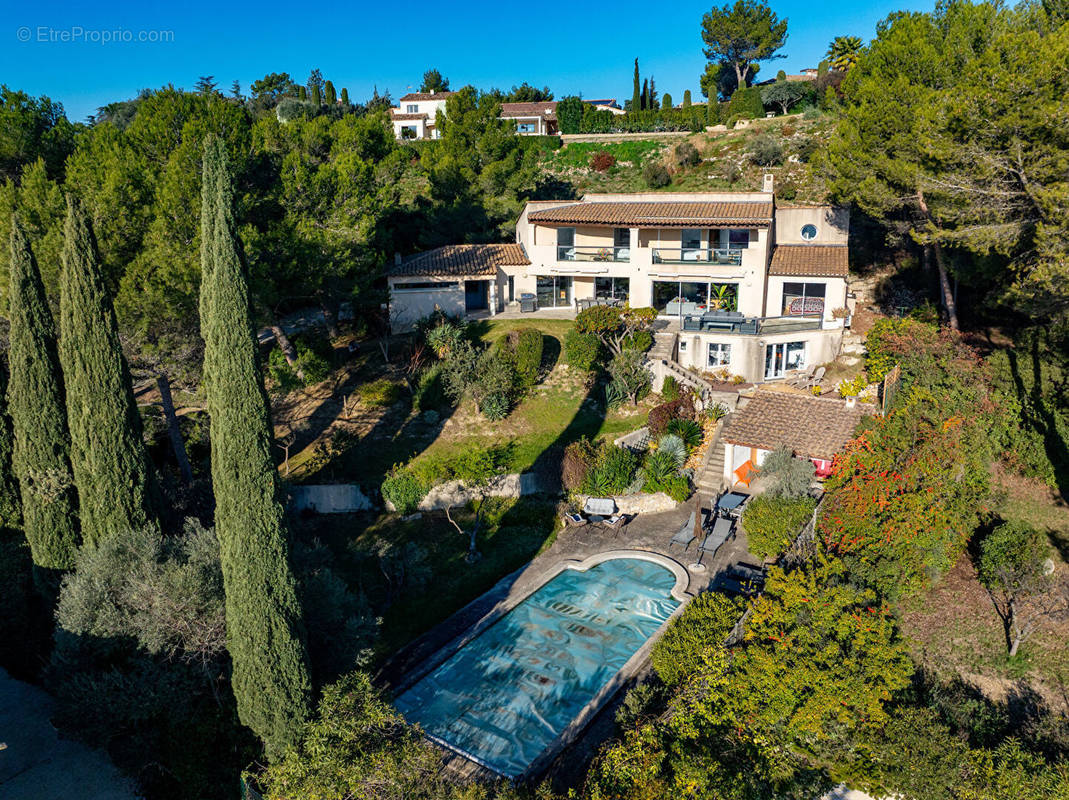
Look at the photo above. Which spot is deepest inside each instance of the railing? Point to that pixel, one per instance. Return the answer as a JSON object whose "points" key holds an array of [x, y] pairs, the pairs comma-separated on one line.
{"points": [[749, 326], [583, 253], [688, 255]]}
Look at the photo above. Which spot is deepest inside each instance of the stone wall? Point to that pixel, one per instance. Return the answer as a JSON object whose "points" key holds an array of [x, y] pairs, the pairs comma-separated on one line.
{"points": [[341, 498]]}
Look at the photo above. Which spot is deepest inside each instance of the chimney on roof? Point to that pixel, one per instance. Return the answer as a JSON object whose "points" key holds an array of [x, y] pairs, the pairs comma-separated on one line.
{"points": [[397, 259], [769, 183]]}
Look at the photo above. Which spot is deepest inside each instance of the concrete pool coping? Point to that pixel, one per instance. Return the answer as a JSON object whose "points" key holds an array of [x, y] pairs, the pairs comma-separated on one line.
{"points": [[628, 671]]}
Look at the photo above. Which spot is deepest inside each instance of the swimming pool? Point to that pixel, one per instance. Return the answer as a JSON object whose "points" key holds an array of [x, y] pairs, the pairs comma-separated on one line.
{"points": [[508, 693]]}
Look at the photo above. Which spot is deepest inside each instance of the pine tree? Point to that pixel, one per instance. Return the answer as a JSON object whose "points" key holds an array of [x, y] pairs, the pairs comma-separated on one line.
{"points": [[329, 95], [344, 96], [38, 418], [263, 616], [111, 469], [636, 96]]}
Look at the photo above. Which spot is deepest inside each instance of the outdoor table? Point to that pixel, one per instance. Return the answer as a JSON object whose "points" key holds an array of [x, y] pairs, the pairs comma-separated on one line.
{"points": [[731, 504]]}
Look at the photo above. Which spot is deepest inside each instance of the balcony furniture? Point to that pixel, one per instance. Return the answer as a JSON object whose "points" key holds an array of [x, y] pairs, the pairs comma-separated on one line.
{"points": [[732, 503], [679, 307], [723, 529], [805, 306], [566, 254], [748, 327], [528, 302]]}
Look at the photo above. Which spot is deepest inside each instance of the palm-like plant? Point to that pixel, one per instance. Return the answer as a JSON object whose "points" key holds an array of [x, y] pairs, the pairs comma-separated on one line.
{"points": [[723, 297], [673, 445], [659, 467], [843, 52], [689, 431]]}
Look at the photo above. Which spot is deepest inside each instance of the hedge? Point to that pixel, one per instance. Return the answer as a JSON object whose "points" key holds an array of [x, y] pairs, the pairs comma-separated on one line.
{"points": [[772, 523], [527, 345], [581, 349], [746, 104]]}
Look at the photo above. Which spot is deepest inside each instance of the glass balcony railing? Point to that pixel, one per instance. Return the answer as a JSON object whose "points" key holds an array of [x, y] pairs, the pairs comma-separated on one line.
{"points": [[689, 255], [593, 253], [731, 322]]}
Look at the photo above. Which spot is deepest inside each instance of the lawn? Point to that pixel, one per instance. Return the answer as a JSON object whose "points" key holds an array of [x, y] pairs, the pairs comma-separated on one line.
{"points": [[561, 408]]}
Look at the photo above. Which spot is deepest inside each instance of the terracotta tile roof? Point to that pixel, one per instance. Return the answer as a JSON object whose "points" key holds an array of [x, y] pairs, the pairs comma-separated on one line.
{"points": [[669, 214], [462, 259], [814, 427], [546, 109], [395, 115], [811, 260], [425, 96]]}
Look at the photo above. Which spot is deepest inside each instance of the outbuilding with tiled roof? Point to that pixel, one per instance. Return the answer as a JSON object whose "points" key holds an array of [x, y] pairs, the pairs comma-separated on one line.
{"points": [[461, 260]]}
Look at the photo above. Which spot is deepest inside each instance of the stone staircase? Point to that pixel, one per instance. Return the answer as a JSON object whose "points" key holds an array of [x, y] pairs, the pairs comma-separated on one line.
{"points": [[711, 477], [664, 346], [852, 348]]}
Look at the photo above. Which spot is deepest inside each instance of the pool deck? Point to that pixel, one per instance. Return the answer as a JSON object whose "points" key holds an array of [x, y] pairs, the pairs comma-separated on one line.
{"points": [[648, 533]]}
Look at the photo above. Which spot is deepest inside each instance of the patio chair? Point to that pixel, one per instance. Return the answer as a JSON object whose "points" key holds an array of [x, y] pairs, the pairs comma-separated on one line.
{"points": [[616, 521], [722, 530], [574, 519], [802, 379], [818, 376], [685, 535]]}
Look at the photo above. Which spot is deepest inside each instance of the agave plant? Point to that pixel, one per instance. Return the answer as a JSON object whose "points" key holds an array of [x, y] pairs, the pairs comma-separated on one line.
{"points": [[716, 412], [689, 431], [659, 467], [673, 446]]}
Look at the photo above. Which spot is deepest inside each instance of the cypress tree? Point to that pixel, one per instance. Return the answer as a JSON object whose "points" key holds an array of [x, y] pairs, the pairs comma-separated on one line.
{"points": [[111, 468], [10, 505], [686, 99], [329, 95], [302, 93], [666, 101], [636, 95], [317, 96], [345, 96], [38, 419], [644, 101], [263, 617]]}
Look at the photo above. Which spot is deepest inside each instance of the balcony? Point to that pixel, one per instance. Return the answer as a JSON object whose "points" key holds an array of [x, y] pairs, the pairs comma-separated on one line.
{"points": [[729, 322], [593, 253], [692, 255]]}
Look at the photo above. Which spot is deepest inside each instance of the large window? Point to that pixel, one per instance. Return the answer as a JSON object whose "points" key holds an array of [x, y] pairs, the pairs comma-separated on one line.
{"points": [[738, 239], [412, 108], [719, 354], [525, 127], [803, 299], [783, 357], [694, 297], [691, 243], [553, 290], [566, 244], [612, 288]]}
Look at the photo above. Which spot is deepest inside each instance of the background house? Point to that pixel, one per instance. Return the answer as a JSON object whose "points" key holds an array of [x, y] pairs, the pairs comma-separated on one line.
{"points": [[415, 114]]}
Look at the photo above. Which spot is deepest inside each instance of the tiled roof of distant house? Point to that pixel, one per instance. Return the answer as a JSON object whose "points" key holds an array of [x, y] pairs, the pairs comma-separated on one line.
{"points": [[813, 427], [669, 214], [462, 259], [425, 96], [546, 109], [810, 260]]}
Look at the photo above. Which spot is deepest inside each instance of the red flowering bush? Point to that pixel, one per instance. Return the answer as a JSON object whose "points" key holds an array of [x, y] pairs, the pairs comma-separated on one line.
{"points": [[602, 161]]}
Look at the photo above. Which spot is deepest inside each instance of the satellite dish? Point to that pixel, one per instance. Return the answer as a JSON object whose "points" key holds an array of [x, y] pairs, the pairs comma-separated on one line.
{"points": [[1048, 566]]}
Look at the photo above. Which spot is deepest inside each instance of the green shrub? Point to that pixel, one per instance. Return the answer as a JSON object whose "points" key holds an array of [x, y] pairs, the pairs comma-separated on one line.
{"points": [[772, 523], [527, 345], [878, 360], [687, 155], [705, 624], [672, 446], [746, 104], [639, 340], [381, 393], [312, 365], [766, 150], [675, 486], [670, 389], [430, 389], [656, 175], [613, 471], [581, 350], [402, 488], [579, 457], [689, 432]]}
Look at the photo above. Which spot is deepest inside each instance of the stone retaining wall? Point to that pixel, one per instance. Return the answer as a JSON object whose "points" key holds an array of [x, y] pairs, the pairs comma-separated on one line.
{"points": [[339, 498]]}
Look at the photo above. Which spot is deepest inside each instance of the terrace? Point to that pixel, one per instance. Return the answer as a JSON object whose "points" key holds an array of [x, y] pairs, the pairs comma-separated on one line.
{"points": [[729, 256], [734, 322]]}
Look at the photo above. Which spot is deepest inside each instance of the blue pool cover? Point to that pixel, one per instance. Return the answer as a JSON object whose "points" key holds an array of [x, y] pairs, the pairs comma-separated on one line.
{"points": [[502, 698]]}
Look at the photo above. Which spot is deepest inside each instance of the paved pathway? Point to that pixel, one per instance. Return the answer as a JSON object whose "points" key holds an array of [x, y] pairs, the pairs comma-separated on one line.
{"points": [[35, 764]]}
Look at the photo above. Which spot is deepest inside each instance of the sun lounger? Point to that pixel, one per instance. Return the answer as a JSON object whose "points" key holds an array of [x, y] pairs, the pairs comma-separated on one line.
{"points": [[685, 535], [722, 530], [818, 376]]}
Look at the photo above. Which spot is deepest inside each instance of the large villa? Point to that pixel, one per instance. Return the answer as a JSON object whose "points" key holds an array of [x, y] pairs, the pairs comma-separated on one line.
{"points": [[751, 288]]}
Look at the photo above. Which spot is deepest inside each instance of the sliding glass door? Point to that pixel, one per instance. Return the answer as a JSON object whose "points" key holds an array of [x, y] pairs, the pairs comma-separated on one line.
{"points": [[554, 290], [782, 357]]}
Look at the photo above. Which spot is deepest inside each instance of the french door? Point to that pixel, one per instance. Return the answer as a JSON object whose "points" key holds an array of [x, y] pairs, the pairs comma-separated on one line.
{"points": [[783, 356]]}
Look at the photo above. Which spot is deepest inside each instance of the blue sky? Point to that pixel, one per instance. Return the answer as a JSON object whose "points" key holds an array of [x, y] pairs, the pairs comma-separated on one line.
{"points": [[582, 48]]}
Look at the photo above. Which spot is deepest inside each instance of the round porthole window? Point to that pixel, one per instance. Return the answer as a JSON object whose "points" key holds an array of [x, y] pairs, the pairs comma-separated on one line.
{"points": [[809, 232]]}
